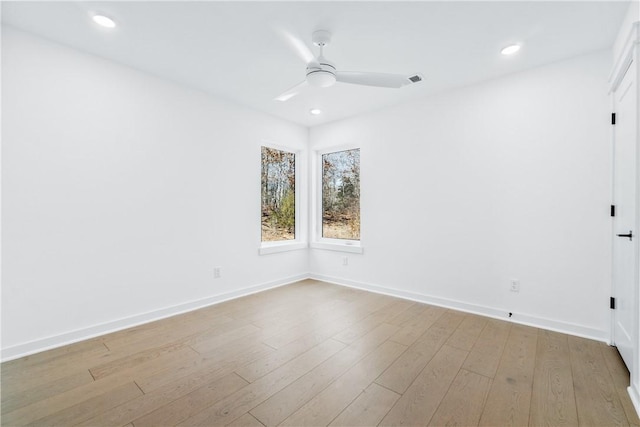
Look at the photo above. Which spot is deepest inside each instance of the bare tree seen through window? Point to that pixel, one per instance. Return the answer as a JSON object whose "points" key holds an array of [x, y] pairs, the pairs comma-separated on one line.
{"points": [[341, 195], [278, 195]]}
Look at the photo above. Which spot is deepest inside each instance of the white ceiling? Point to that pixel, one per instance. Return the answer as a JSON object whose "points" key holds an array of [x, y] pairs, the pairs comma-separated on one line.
{"points": [[241, 51]]}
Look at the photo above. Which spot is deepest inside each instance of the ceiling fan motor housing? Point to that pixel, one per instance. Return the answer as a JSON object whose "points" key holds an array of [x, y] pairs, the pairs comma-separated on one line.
{"points": [[321, 73]]}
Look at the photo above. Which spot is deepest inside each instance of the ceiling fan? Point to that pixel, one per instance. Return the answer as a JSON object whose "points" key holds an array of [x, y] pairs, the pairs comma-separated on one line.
{"points": [[323, 73]]}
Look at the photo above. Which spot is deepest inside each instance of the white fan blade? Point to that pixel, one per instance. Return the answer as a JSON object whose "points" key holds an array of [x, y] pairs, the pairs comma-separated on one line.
{"points": [[298, 45], [291, 92], [372, 79]]}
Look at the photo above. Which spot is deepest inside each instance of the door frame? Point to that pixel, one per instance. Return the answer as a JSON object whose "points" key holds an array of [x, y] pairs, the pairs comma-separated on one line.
{"points": [[629, 57]]}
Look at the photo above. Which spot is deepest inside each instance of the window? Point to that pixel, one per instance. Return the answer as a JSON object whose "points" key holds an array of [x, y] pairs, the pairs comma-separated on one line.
{"points": [[278, 207], [341, 195]]}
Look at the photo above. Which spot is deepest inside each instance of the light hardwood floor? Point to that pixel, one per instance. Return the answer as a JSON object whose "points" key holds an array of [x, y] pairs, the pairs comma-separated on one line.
{"points": [[312, 353]]}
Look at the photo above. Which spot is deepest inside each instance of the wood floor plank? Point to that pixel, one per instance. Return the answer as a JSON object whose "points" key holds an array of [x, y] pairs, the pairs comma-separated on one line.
{"points": [[207, 344], [256, 312], [67, 399], [415, 310], [615, 365], [412, 329], [278, 407], [620, 376], [192, 403], [261, 367], [463, 403], [369, 408], [303, 316], [284, 403], [468, 332], [403, 371], [553, 401], [145, 356], [84, 410], [57, 369], [596, 398], [509, 399], [421, 400], [143, 331], [225, 360], [240, 402], [395, 310], [367, 303], [330, 402], [175, 361], [12, 400], [629, 409], [42, 408], [332, 324], [388, 311], [287, 304], [167, 393], [169, 332], [247, 420], [485, 355]]}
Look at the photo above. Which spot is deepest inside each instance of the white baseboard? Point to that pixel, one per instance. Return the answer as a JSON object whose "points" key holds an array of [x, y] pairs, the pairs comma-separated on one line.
{"points": [[523, 319], [71, 337], [634, 394]]}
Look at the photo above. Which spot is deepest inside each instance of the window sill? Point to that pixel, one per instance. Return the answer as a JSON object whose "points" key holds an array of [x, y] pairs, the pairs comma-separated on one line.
{"points": [[274, 248], [339, 247]]}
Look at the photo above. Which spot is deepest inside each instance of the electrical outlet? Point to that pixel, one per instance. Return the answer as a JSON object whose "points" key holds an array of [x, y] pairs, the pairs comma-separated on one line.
{"points": [[515, 286], [216, 272], [345, 260]]}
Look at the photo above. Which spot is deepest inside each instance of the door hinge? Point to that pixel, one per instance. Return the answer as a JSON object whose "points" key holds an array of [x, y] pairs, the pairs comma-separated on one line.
{"points": [[612, 303], [613, 210], [613, 118]]}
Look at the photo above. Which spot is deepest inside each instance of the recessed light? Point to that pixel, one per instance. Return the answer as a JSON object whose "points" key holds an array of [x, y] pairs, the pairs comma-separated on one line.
{"points": [[510, 50], [315, 111], [104, 21]]}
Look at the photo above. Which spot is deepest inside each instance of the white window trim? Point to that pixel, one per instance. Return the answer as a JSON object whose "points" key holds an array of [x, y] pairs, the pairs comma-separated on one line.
{"points": [[281, 246], [301, 241], [317, 241]]}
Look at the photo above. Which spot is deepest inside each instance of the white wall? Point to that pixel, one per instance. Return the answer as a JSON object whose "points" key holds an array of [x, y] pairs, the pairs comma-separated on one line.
{"points": [[509, 179], [121, 192]]}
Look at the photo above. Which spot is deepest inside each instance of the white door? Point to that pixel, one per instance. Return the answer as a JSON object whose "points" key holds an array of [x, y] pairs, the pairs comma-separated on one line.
{"points": [[624, 192]]}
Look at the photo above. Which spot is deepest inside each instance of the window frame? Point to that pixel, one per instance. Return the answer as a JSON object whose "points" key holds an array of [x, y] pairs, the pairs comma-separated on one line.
{"points": [[318, 241], [300, 240]]}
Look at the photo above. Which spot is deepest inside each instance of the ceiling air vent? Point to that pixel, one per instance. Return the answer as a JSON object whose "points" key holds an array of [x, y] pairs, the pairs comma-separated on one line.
{"points": [[415, 78]]}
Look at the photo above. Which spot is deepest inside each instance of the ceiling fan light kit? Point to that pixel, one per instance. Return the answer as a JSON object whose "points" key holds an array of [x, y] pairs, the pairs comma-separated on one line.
{"points": [[321, 78], [321, 72]]}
